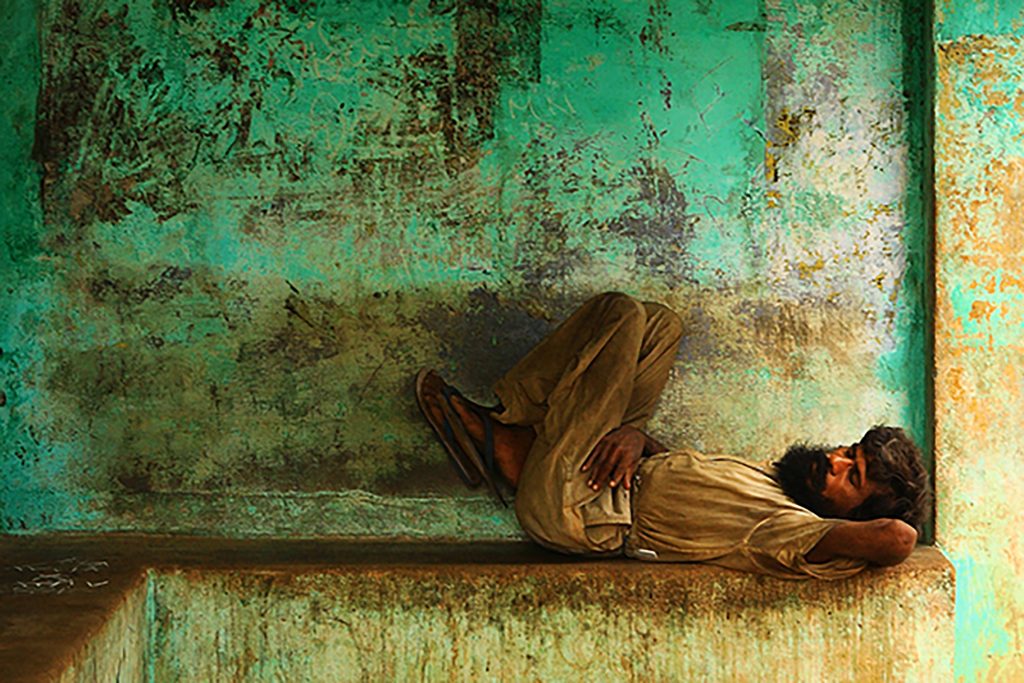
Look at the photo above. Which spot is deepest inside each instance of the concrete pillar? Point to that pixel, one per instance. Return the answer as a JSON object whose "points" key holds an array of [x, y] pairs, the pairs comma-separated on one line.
{"points": [[979, 330]]}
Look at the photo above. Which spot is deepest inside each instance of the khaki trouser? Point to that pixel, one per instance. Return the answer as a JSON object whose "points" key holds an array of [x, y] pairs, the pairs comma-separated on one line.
{"points": [[602, 368]]}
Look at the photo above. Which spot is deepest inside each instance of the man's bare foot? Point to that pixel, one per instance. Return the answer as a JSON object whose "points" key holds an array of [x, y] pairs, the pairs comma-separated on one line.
{"points": [[511, 443]]}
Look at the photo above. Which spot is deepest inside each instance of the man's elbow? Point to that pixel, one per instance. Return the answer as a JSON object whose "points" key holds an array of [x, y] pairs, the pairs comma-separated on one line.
{"points": [[899, 541]]}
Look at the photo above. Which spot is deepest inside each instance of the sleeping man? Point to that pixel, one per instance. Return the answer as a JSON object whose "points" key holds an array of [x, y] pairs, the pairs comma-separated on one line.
{"points": [[568, 437]]}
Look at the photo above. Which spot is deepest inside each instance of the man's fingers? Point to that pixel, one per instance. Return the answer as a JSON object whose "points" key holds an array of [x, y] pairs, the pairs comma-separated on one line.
{"points": [[594, 481], [615, 472], [597, 457], [612, 460], [605, 468], [590, 458], [622, 473], [595, 454]]}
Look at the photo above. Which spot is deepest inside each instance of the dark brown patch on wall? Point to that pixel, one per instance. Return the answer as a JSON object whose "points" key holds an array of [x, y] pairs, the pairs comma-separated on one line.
{"points": [[75, 61], [99, 147], [653, 34], [495, 42], [185, 8], [477, 57], [485, 338]]}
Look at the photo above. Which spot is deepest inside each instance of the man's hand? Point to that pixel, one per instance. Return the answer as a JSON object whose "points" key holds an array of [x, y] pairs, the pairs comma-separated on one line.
{"points": [[615, 457], [653, 446]]}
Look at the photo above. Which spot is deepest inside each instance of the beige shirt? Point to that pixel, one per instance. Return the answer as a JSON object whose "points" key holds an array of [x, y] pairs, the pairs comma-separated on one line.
{"points": [[689, 507]]}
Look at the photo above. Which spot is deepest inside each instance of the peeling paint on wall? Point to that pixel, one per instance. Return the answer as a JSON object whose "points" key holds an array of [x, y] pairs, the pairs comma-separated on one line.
{"points": [[260, 218], [979, 386]]}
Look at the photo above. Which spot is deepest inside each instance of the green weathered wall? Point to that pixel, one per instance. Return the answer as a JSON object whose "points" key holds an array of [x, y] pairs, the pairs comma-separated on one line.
{"points": [[979, 384], [175, 608], [239, 227]]}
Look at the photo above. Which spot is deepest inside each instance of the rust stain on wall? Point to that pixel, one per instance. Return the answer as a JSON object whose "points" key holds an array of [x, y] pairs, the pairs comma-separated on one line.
{"points": [[978, 342]]}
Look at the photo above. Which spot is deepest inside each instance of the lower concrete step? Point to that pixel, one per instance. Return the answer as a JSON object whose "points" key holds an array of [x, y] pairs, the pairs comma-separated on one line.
{"points": [[186, 609]]}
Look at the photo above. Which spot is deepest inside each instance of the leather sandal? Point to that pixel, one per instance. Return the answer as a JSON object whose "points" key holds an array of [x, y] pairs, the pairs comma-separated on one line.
{"points": [[453, 436]]}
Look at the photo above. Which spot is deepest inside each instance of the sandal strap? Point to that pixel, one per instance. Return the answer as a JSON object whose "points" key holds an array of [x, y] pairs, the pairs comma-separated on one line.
{"points": [[488, 453], [488, 442]]}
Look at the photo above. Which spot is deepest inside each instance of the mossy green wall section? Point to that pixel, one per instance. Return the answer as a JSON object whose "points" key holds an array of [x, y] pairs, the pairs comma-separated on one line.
{"points": [[235, 229], [979, 340]]}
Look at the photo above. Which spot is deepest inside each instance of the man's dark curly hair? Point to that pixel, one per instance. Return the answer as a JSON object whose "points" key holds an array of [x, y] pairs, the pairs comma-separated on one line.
{"points": [[894, 461]]}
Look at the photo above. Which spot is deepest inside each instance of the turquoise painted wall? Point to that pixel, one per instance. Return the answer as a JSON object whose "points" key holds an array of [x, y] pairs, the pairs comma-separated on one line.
{"points": [[20, 264], [237, 228]]}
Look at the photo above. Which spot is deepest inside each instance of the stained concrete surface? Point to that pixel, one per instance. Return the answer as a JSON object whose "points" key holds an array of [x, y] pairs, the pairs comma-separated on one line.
{"points": [[222, 609], [77, 634]]}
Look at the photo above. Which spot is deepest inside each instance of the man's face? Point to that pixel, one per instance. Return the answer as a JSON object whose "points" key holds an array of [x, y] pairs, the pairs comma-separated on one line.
{"points": [[830, 482], [846, 482]]}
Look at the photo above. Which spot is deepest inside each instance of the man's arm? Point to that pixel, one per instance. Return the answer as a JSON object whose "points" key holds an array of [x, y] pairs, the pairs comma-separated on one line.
{"points": [[881, 541]]}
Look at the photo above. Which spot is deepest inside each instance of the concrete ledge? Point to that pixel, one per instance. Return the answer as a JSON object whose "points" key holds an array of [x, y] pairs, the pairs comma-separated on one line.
{"points": [[333, 610], [287, 514]]}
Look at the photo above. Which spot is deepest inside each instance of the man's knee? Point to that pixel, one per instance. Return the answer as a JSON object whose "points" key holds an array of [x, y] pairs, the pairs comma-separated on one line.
{"points": [[621, 305], [664, 322]]}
